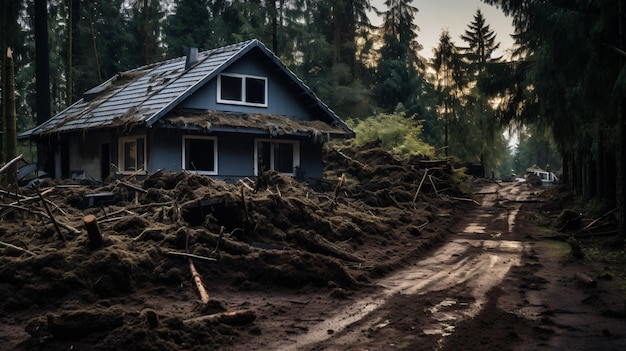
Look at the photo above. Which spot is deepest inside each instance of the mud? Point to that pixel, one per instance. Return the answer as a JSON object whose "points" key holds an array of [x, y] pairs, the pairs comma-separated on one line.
{"points": [[359, 260]]}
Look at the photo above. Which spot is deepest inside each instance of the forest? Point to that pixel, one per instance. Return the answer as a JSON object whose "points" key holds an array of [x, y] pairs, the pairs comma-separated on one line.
{"points": [[561, 91]]}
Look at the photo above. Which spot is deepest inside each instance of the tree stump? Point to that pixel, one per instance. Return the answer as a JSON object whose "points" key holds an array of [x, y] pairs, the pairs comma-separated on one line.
{"points": [[93, 231]]}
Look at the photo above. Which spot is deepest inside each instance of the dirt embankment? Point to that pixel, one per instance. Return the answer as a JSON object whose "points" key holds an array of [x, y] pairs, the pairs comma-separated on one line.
{"points": [[370, 215]]}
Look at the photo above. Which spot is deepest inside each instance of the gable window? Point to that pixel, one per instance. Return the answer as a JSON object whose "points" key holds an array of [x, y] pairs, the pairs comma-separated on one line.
{"points": [[200, 154], [278, 155], [240, 89], [132, 154]]}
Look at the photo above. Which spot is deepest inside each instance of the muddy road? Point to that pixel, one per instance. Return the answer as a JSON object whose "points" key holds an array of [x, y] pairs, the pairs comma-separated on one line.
{"points": [[495, 283]]}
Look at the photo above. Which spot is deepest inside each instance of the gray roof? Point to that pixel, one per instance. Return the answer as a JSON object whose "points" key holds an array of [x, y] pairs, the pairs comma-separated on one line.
{"points": [[146, 94]]}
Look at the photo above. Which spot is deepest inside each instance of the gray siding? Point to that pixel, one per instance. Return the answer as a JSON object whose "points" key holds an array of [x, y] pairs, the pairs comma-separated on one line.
{"points": [[281, 99], [85, 152], [235, 154]]}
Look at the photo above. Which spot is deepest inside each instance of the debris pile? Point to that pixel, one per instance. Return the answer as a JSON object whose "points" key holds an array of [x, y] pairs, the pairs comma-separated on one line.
{"points": [[84, 265]]}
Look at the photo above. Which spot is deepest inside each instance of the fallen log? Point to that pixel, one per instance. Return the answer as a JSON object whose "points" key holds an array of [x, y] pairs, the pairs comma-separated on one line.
{"points": [[316, 243], [234, 318], [93, 231]]}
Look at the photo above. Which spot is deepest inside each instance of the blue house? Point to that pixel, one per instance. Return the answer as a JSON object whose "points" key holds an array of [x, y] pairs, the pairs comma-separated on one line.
{"points": [[227, 113]]}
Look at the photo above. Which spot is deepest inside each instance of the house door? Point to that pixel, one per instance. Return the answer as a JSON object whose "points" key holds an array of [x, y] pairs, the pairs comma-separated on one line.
{"points": [[105, 161]]}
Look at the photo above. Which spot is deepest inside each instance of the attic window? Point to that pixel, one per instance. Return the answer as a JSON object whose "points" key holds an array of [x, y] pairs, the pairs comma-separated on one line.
{"points": [[240, 89]]}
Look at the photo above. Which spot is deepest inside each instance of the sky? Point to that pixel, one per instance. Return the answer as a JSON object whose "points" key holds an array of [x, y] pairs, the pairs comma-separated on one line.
{"points": [[454, 15]]}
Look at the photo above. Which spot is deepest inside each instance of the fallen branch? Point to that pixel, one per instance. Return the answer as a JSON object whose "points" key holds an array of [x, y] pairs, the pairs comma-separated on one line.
{"points": [[342, 179], [433, 184], [18, 248], [245, 206], [465, 199], [204, 296], [588, 226], [419, 187], [132, 187], [246, 185], [316, 243], [238, 317], [41, 214], [10, 163], [56, 225], [188, 255], [219, 241], [422, 226], [351, 159]]}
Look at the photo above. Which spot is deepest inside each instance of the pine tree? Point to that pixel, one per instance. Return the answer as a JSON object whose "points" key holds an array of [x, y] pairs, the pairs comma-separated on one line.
{"points": [[398, 79], [481, 40]]}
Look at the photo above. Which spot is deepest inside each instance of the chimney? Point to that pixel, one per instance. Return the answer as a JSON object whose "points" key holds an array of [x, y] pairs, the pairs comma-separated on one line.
{"points": [[192, 58]]}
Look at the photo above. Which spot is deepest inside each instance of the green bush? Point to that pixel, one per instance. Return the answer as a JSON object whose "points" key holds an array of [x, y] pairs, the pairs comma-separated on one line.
{"points": [[400, 135]]}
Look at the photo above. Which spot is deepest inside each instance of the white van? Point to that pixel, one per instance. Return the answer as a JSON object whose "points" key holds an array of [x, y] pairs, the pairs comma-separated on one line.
{"points": [[547, 178]]}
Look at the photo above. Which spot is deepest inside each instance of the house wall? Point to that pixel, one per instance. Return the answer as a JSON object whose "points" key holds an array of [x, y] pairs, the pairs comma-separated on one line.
{"points": [[235, 154], [85, 153], [281, 99]]}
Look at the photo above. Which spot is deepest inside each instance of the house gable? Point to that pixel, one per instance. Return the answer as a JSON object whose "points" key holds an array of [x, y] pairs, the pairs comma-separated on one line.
{"points": [[281, 100]]}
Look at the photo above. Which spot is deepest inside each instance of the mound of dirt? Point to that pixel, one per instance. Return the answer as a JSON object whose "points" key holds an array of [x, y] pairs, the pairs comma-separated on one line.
{"points": [[371, 214]]}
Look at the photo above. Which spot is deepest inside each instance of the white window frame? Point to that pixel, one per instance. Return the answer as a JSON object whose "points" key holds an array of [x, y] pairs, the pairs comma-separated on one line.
{"points": [[296, 154], [121, 157], [215, 163], [241, 102]]}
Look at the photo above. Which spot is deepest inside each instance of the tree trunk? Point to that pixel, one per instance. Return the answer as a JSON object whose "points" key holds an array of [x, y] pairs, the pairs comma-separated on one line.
{"points": [[42, 77], [10, 132], [70, 42]]}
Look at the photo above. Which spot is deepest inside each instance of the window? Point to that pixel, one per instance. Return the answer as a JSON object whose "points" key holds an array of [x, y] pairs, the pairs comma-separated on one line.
{"points": [[132, 154], [200, 154], [281, 156], [241, 89]]}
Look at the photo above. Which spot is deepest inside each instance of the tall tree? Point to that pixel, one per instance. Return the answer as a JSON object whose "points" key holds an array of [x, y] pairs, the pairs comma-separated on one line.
{"points": [[10, 37], [449, 83], [190, 26], [481, 39], [398, 79], [481, 45], [583, 101]]}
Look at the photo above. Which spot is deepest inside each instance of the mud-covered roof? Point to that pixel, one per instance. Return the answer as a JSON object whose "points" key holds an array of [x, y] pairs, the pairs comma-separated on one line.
{"points": [[261, 123], [145, 95]]}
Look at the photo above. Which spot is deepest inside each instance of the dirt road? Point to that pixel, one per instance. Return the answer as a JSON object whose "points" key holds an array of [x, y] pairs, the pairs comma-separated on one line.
{"points": [[496, 283]]}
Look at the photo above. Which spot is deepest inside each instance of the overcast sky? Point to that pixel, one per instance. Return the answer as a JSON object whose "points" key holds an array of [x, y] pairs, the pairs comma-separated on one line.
{"points": [[454, 15]]}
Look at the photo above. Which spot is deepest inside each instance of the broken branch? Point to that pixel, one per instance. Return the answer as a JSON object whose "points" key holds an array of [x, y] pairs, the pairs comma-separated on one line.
{"points": [[419, 187], [10, 163], [18, 248], [56, 225], [174, 253], [204, 296]]}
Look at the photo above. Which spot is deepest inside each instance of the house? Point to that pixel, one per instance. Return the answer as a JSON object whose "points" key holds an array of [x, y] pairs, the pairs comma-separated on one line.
{"points": [[227, 113]]}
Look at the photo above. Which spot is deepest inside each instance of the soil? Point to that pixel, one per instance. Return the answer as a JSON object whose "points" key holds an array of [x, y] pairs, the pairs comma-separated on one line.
{"points": [[381, 254]]}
